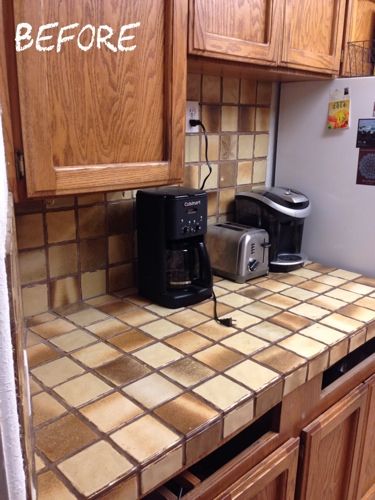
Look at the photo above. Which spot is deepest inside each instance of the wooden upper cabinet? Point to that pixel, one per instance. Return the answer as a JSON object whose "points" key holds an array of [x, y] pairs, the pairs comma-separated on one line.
{"points": [[103, 119], [312, 34], [244, 30]]}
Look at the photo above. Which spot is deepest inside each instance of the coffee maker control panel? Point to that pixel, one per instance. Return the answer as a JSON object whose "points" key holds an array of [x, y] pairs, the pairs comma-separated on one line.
{"points": [[187, 216]]}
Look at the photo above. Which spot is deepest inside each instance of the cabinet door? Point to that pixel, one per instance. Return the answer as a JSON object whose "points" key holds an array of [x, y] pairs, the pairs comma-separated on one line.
{"points": [[312, 37], [273, 479], [366, 487], [99, 119], [331, 446], [246, 30]]}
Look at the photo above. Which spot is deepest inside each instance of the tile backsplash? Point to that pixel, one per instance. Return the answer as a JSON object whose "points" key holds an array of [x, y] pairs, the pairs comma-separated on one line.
{"points": [[78, 247]]}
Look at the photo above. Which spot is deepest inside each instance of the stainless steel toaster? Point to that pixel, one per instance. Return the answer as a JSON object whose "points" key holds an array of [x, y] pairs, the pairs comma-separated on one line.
{"points": [[238, 252]]}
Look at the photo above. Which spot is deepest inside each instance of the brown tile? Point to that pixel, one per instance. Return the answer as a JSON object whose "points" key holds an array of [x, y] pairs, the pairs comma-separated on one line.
{"points": [[320, 268], [145, 438], [49, 486], [314, 286], [90, 199], [123, 370], [246, 120], [121, 277], [53, 328], [93, 283], [32, 266], [34, 299], [211, 88], [244, 172], [208, 308], [202, 443], [45, 407], [229, 118], [290, 321], [279, 359], [264, 93], [219, 357], [193, 92], [117, 307], [309, 311], [318, 365], [39, 319], [370, 331], [268, 397], [82, 389], [188, 342], [338, 351], [186, 413], [40, 353], [328, 303], [359, 313], [231, 90], [344, 295], [39, 463], [211, 117], [32, 339], [28, 206], [60, 202], [61, 226], [222, 392], [262, 121], [63, 437], [126, 489], [191, 176], [187, 372], [30, 232], [255, 293], [323, 334], [87, 316], [228, 149], [111, 412], [269, 331], [120, 217], [63, 260], [213, 149], [35, 388], [303, 346], [261, 310], [295, 379], [367, 302], [248, 91], [214, 331], [226, 200], [188, 318], [91, 221], [100, 301], [161, 470], [162, 327], [289, 279], [157, 355], [238, 418], [152, 390], [120, 248], [92, 254], [64, 291], [108, 328], [253, 375], [131, 340], [94, 468], [245, 343], [357, 340], [71, 308], [281, 301], [212, 181], [343, 323], [366, 281], [96, 355], [245, 146]]}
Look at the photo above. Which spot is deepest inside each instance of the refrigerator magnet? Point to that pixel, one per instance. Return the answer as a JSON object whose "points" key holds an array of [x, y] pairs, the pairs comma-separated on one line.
{"points": [[366, 167], [339, 109], [366, 133]]}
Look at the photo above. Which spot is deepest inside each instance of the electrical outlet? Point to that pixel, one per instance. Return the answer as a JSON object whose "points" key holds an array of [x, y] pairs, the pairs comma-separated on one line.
{"points": [[192, 113]]}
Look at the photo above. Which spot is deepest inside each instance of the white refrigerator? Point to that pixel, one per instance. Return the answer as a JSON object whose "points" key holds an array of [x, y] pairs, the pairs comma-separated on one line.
{"points": [[322, 164]]}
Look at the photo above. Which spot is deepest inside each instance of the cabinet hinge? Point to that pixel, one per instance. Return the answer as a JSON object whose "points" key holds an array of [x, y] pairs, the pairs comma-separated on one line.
{"points": [[20, 164]]}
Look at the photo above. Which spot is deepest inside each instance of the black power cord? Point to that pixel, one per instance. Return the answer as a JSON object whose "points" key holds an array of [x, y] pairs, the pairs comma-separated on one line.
{"points": [[221, 321]]}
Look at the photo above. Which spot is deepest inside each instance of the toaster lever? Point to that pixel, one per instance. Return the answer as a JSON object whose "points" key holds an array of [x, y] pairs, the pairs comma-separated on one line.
{"points": [[265, 245]]}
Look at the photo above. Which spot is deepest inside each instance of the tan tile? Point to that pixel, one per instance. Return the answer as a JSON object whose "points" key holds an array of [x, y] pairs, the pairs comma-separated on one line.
{"points": [[295, 379], [63, 437], [187, 413], [193, 92], [269, 397], [101, 301], [39, 463], [222, 392], [40, 353], [188, 342], [137, 316], [255, 293], [347, 275], [61, 226], [211, 88], [63, 260], [111, 412], [32, 266], [145, 438], [306, 273], [226, 200], [279, 359], [35, 388], [261, 145], [123, 370], [231, 90], [370, 331], [269, 331], [218, 357], [246, 120], [338, 351], [200, 444], [261, 310], [364, 280], [82, 389], [281, 301], [314, 286], [330, 280], [191, 148], [235, 300], [45, 407], [245, 146], [91, 221], [32, 339], [56, 372], [238, 418], [248, 91], [64, 291], [342, 323], [94, 468], [131, 340], [87, 317], [318, 365], [93, 284], [120, 248], [108, 328], [367, 302], [208, 308], [262, 122], [121, 277], [229, 118], [30, 232], [214, 331], [327, 302], [253, 375], [309, 311], [53, 328], [187, 372], [244, 172], [34, 300], [319, 268], [290, 321], [96, 355], [162, 311], [245, 343], [49, 486], [303, 346], [163, 328], [264, 93], [39, 319], [299, 293], [344, 295], [211, 117], [243, 320], [162, 469], [357, 340], [357, 288], [191, 176], [152, 390], [90, 199], [126, 489], [289, 279], [211, 183], [357, 312], [213, 149], [187, 318], [259, 171], [120, 217], [157, 355], [228, 151], [60, 202], [228, 172], [323, 334]]}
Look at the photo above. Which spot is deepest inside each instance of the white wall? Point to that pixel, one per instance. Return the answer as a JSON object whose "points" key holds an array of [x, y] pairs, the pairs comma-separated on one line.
{"points": [[9, 425]]}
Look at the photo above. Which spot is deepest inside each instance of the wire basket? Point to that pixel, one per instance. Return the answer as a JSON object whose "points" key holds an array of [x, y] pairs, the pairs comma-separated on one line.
{"points": [[361, 58]]}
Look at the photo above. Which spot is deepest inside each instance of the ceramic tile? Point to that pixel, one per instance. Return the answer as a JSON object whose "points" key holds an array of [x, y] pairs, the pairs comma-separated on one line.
{"points": [[82, 389], [261, 310], [162, 311], [330, 280], [269, 331], [56, 372], [162, 469], [214, 331], [235, 300], [40, 353], [39, 319], [367, 302], [108, 328], [299, 293], [208, 308], [314, 286], [343, 295], [318, 365], [370, 331], [191, 148], [211, 117], [121, 277], [120, 217], [229, 118], [125, 490], [328, 303], [309, 311], [259, 171], [261, 145], [39, 463], [152, 390], [63, 260], [163, 327], [60, 202], [358, 312], [290, 321], [49, 487], [305, 273], [303, 346], [32, 339], [227, 169], [319, 267], [264, 93], [279, 359], [157, 355], [94, 468], [273, 285], [145, 438], [87, 317], [342, 323], [243, 320], [364, 280], [338, 351], [61, 226], [90, 199], [289, 279], [32, 266], [218, 357], [238, 418], [280, 301], [96, 355], [248, 91], [231, 285], [111, 412], [91, 221], [73, 340], [53, 328], [357, 288], [222, 392], [137, 317], [186, 413], [137, 300], [188, 342], [92, 254], [347, 275], [262, 119], [246, 119], [63, 437], [210, 88], [64, 291], [35, 388], [193, 92], [30, 232], [245, 146], [245, 343], [255, 293], [131, 340], [201, 443], [295, 379], [45, 408], [323, 334], [191, 174], [231, 90], [268, 398], [357, 340], [93, 283], [226, 204], [123, 370], [253, 375], [67, 309], [187, 372], [117, 307]]}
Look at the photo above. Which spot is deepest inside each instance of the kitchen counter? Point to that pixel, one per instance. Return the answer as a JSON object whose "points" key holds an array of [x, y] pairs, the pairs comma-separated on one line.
{"points": [[128, 393]]}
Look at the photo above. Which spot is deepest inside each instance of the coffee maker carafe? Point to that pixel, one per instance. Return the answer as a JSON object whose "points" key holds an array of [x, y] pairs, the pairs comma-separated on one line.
{"points": [[173, 264]]}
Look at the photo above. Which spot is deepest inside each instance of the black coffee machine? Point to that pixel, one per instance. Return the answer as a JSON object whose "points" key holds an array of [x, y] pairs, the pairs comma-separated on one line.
{"points": [[173, 264]]}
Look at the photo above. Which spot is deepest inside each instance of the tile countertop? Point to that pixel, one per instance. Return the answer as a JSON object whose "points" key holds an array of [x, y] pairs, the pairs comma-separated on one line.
{"points": [[126, 392]]}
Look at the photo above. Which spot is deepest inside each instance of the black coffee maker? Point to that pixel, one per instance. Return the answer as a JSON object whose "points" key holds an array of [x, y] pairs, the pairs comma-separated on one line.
{"points": [[173, 265]]}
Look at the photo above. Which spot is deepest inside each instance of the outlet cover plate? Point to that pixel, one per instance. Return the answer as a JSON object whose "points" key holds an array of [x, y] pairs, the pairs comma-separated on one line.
{"points": [[192, 113]]}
